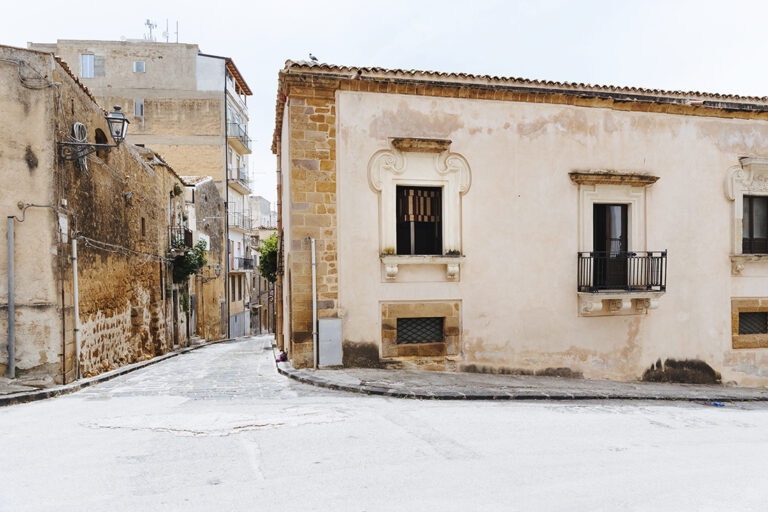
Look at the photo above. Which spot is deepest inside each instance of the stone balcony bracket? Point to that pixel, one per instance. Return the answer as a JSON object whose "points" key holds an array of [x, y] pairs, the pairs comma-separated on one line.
{"points": [[392, 263], [616, 304]]}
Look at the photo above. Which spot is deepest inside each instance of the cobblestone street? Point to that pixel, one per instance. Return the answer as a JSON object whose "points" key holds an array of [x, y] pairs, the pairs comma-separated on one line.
{"points": [[219, 429]]}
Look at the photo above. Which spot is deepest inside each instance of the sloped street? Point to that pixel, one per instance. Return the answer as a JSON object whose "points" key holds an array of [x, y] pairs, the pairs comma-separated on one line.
{"points": [[219, 429]]}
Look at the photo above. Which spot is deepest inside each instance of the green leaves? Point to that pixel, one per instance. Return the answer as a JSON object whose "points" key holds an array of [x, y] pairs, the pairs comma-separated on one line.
{"points": [[189, 263], [268, 260]]}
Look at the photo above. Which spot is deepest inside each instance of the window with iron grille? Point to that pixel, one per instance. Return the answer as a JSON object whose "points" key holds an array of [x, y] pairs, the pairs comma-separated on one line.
{"points": [[753, 323], [420, 330], [419, 228], [755, 225]]}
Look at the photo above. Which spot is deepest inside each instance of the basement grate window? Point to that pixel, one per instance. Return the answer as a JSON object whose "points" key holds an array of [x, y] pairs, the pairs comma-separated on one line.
{"points": [[420, 330], [753, 323]]}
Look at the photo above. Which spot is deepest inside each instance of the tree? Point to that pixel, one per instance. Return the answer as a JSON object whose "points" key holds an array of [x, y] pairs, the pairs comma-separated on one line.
{"points": [[268, 260]]}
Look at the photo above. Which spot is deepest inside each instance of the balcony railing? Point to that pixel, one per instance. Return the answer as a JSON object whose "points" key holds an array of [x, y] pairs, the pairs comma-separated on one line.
{"points": [[622, 271], [240, 220], [181, 238], [239, 263], [239, 132]]}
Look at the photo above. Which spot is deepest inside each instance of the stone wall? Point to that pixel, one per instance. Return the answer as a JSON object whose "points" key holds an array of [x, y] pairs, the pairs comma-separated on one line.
{"points": [[119, 205], [313, 212]]}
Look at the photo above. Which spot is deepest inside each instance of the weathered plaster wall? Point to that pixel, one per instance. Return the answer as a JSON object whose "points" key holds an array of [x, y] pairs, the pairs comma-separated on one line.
{"points": [[520, 231], [27, 163], [209, 215]]}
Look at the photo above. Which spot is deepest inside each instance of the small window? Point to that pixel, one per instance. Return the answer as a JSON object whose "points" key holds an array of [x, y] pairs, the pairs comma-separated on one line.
{"points": [[755, 225], [138, 66], [232, 287], [138, 107], [86, 65], [419, 226], [143, 228], [239, 287], [420, 330], [753, 323]]}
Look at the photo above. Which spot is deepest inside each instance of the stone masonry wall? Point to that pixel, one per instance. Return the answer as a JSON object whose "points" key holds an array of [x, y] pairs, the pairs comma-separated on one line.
{"points": [[313, 205]]}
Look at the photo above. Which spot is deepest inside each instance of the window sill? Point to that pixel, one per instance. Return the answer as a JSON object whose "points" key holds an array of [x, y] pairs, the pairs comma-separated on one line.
{"points": [[617, 303], [739, 261], [393, 261]]}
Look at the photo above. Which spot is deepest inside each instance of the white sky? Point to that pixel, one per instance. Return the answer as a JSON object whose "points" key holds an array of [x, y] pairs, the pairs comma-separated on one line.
{"points": [[677, 45]]}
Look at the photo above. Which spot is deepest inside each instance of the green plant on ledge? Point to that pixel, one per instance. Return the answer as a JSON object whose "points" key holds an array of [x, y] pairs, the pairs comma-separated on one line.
{"points": [[189, 263]]}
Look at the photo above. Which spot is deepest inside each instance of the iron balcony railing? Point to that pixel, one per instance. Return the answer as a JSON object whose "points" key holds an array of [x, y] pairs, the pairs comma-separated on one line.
{"points": [[239, 131], [630, 271], [240, 220], [243, 263], [181, 238]]}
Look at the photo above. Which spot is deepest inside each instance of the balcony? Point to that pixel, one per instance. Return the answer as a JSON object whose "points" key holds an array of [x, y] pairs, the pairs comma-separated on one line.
{"points": [[240, 221], [238, 264], [237, 136], [238, 180], [181, 238], [620, 282]]}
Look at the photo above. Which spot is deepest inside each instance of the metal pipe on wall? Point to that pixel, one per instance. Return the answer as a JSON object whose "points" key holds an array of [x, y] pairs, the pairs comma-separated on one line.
{"points": [[76, 300], [314, 301], [11, 369]]}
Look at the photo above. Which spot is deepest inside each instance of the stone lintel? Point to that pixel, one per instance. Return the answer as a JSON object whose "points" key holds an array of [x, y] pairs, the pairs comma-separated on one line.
{"points": [[421, 145], [612, 178]]}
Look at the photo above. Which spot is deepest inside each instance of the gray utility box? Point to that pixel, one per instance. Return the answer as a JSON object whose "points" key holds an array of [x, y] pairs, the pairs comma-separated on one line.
{"points": [[329, 342]]}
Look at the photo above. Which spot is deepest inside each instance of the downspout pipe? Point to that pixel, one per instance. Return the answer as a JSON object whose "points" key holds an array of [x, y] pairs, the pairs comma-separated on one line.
{"points": [[11, 369], [76, 300], [314, 302]]}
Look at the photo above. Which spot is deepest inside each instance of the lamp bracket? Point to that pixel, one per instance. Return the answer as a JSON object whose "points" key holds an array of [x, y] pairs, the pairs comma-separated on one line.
{"points": [[71, 151]]}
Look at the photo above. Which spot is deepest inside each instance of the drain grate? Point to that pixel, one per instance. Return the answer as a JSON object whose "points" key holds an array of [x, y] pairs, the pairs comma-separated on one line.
{"points": [[420, 330]]}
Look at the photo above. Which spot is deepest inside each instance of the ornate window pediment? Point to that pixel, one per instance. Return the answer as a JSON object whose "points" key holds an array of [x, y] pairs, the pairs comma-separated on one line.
{"points": [[749, 178], [414, 162]]}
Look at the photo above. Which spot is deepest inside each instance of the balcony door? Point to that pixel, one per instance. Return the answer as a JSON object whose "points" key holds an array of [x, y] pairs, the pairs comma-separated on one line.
{"points": [[610, 246]]}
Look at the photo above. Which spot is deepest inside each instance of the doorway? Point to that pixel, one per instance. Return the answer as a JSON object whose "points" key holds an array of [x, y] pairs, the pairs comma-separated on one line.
{"points": [[610, 246]]}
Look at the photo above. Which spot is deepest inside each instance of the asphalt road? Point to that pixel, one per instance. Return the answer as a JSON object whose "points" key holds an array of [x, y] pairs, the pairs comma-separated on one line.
{"points": [[217, 429]]}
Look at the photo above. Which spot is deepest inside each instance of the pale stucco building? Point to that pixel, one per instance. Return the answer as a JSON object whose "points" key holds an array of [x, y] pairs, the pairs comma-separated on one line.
{"points": [[191, 108], [500, 224]]}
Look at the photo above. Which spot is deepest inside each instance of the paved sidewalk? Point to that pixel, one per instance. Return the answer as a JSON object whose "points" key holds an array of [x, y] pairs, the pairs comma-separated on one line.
{"points": [[473, 386]]}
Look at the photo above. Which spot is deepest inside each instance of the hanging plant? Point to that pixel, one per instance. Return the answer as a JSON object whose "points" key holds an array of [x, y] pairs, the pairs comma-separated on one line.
{"points": [[189, 263]]}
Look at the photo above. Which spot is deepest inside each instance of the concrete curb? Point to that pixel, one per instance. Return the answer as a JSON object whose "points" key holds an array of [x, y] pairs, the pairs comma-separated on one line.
{"points": [[41, 394], [320, 382]]}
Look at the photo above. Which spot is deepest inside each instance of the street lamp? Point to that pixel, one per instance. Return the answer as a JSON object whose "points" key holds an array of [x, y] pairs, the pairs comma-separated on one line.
{"points": [[118, 126]]}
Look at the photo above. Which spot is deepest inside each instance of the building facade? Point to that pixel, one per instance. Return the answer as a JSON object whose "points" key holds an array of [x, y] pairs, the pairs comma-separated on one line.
{"points": [[507, 225], [191, 108], [109, 217]]}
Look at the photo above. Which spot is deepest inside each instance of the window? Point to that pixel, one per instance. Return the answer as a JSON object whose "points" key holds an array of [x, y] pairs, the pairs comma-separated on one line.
{"points": [[420, 330], [86, 65], [419, 228], [753, 323], [138, 107], [232, 287], [143, 228], [138, 66], [239, 287], [754, 225]]}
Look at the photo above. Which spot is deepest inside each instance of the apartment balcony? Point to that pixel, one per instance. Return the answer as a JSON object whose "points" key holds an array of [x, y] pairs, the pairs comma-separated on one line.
{"points": [[237, 136], [620, 282], [238, 264], [239, 181], [181, 238], [240, 221]]}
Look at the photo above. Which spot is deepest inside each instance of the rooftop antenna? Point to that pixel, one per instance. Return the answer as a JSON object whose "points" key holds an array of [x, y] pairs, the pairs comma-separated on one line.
{"points": [[177, 31], [150, 26], [165, 32]]}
